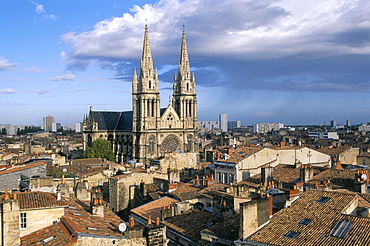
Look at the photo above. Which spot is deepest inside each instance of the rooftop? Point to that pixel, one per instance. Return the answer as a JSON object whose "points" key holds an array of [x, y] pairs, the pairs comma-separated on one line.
{"points": [[323, 211]]}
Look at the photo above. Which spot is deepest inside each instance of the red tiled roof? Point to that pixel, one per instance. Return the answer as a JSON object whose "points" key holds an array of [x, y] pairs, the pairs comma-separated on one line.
{"points": [[153, 209], [334, 151], [190, 223], [32, 200], [58, 231], [227, 229], [242, 153], [323, 219]]}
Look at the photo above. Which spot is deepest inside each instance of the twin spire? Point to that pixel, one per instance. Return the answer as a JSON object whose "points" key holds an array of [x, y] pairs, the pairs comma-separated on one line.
{"points": [[149, 76]]}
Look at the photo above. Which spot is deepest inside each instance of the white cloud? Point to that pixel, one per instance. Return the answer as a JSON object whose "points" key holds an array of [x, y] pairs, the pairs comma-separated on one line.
{"points": [[7, 91], [39, 8], [247, 28], [41, 92], [6, 65], [32, 70], [51, 17], [78, 90], [68, 76]]}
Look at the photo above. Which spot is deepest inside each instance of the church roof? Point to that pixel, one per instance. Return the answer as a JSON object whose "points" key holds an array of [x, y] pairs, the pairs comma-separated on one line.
{"points": [[113, 121]]}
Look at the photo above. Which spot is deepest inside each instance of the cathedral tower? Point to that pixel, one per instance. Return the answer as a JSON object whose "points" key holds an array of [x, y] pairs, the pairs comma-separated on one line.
{"points": [[145, 99], [185, 98]]}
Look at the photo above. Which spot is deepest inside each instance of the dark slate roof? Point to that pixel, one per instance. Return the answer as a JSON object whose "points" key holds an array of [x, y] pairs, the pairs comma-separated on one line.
{"points": [[113, 121]]}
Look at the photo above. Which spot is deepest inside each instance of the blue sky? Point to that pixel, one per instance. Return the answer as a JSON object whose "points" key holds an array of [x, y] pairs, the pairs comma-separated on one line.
{"points": [[295, 62]]}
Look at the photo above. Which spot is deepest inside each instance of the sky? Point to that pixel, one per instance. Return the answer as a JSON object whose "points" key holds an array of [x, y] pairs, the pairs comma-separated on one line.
{"points": [[288, 61]]}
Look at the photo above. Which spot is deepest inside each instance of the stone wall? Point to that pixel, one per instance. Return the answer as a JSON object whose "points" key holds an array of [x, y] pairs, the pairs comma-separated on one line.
{"points": [[119, 188], [98, 241], [39, 218], [178, 161]]}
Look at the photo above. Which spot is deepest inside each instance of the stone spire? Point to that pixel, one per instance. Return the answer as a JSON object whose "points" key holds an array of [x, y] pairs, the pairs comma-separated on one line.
{"points": [[184, 65], [134, 82], [146, 64]]}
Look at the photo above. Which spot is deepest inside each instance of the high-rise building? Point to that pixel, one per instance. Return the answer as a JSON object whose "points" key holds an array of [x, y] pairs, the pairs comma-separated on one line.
{"points": [[233, 124], [223, 122], [267, 127], [78, 127], [148, 132], [349, 123], [209, 125], [333, 123], [56, 126], [48, 123]]}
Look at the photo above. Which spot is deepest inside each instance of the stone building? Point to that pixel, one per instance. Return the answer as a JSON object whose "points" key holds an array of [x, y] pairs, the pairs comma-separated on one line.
{"points": [[148, 131], [120, 193]]}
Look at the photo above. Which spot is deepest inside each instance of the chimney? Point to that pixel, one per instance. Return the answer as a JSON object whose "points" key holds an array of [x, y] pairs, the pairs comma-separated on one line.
{"points": [[132, 222], [306, 173], [253, 215], [96, 204], [266, 174], [10, 220]]}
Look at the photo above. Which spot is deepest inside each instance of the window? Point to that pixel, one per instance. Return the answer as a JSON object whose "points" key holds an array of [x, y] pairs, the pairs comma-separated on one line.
{"points": [[291, 234], [23, 220], [323, 199], [341, 229], [305, 222]]}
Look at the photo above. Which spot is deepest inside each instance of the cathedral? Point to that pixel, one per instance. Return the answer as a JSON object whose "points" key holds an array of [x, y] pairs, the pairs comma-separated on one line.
{"points": [[148, 131]]}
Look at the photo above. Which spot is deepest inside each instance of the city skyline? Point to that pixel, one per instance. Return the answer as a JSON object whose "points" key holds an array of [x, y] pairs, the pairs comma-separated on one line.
{"points": [[286, 62]]}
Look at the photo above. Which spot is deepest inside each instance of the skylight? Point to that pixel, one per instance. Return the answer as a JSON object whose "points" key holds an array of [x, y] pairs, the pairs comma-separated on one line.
{"points": [[323, 199], [341, 228], [305, 222], [47, 240], [291, 234]]}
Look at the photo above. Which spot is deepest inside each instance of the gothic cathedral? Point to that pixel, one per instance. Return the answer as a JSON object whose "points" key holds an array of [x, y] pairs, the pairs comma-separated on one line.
{"points": [[148, 131]]}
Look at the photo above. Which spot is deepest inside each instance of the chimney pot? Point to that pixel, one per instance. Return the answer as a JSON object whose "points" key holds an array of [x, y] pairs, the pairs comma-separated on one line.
{"points": [[132, 222], [7, 196]]}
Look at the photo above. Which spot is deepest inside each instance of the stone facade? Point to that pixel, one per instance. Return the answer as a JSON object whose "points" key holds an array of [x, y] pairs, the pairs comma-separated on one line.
{"points": [[175, 161], [119, 187], [39, 218], [148, 131], [244, 165]]}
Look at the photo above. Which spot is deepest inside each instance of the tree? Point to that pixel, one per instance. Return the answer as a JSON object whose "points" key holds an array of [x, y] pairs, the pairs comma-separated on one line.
{"points": [[100, 148]]}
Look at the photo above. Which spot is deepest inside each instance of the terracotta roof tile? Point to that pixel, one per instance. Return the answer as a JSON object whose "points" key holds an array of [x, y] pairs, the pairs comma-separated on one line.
{"points": [[57, 232], [153, 208], [242, 153], [323, 219], [227, 229], [32, 200], [190, 223]]}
